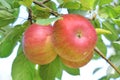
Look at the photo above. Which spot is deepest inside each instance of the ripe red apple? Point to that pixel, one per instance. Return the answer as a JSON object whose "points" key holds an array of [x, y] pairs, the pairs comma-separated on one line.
{"points": [[77, 64], [37, 44], [74, 37]]}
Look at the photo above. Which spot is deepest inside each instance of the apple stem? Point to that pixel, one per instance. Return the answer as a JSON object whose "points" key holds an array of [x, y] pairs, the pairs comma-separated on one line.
{"points": [[107, 60], [43, 5]]}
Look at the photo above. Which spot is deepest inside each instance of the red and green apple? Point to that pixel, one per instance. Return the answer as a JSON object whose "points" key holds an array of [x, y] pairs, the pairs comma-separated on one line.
{"points": [[74, 37], [37, 44]]}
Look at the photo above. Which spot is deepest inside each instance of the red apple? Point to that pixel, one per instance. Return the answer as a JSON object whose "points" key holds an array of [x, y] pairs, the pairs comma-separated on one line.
{"points": [[74, 37], [37, 44], [77, 64]]}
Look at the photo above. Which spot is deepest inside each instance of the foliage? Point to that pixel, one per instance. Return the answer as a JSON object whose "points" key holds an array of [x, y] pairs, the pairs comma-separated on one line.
{"points": [[103, 14]]}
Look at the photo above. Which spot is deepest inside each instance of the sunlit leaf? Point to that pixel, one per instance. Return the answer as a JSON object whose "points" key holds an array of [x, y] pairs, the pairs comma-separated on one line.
{"points": [[102, 2], [71, 5], [102, 31], [26, 3], [87, 4], [47, 21]]}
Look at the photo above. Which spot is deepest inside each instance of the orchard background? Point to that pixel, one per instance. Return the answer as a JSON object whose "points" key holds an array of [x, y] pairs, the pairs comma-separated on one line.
{"points": [[103, 14]]}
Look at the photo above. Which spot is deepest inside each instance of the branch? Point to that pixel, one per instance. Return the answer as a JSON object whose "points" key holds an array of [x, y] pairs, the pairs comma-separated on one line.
{"points": [[43, 5], [45, 1], [107, 60], [30, 16]]}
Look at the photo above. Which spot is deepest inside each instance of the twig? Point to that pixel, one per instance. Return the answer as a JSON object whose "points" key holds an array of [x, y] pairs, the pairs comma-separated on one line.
{"points": [[45, 1], [30, 16], [43, 5], [107, 60]]}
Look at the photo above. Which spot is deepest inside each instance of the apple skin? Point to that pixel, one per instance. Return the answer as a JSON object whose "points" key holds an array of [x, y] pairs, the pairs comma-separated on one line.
{"points": [[74, 37], [37, 44], [77, 64]]}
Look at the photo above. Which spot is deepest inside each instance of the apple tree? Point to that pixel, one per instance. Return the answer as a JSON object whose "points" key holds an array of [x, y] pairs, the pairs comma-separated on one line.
{"points": [[104, 15]]}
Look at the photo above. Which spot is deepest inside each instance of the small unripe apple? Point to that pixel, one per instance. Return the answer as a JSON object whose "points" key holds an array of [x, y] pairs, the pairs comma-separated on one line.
{"points": [[37, 44], [74, 37]]}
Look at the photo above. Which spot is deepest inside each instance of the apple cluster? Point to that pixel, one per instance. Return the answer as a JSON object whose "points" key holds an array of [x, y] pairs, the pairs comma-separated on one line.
{"points": [[72, 38]]}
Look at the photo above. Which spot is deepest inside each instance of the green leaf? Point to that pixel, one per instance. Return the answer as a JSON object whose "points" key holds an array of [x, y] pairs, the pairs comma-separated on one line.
{"points": [[71, 5], [71, 71], [104, 78], [40, 12], [111, 27], [101, 46], [97, 69], [14, 3], [107, 12], [22, 69], [87, 4], [60, 1], [26, 3], [59, 75], [36, 75], [96, 23], [78, 11], [102, 2], [51, 5], [116, 47], [50, 71], [117, 42], [7, 43], [5, 4], [9, 39], [47, 21], [116, 21], [117, 9], [111, 73], [102, 31], [6, 18]]}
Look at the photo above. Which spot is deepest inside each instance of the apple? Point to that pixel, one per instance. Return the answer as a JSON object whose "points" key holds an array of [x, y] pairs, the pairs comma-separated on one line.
{"points": [[37, 44], [74, 37], [77, 64]]}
